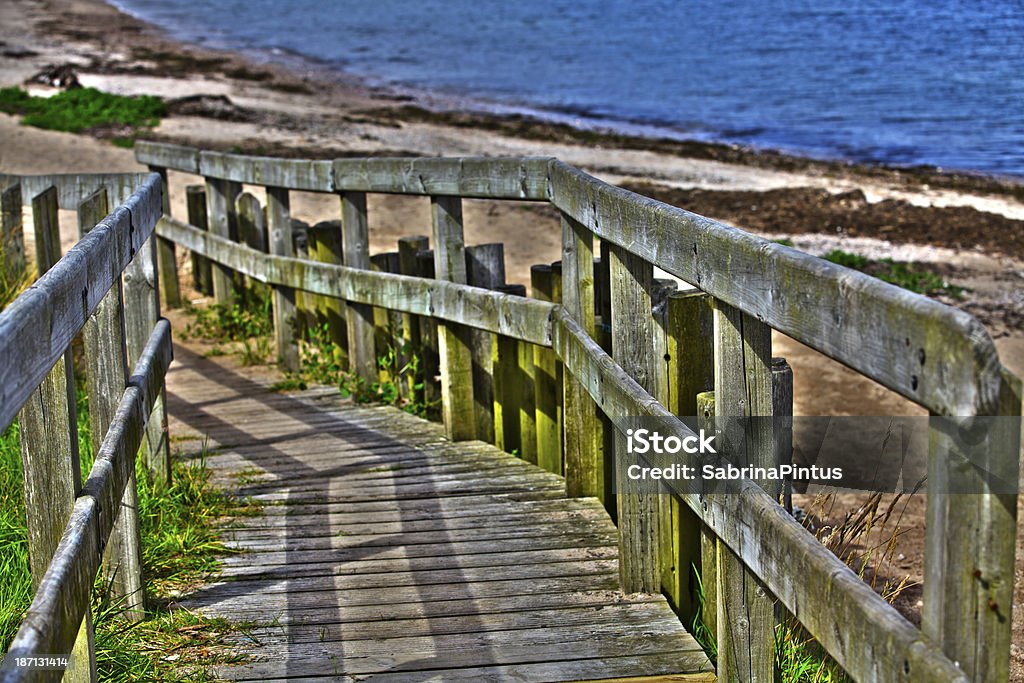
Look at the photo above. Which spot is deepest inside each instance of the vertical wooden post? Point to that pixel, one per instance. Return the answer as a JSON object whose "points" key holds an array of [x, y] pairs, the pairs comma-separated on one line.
{"points": [[782, 416], [743, 388], [603, 302], [453, 340], [167, 259], [970, 536], [202, 270], [12, 236], [633, 333], [708, 540], [141, 312], [221, 196], [355, 235], [689, 367], [582, 431], [325, 244], [387, 327], [556, 297], [485, 267], [52, 474], [545, 385], [509, 386], [279, 227], [107, 376], [252, 232], [408, 247], [431, 361]]}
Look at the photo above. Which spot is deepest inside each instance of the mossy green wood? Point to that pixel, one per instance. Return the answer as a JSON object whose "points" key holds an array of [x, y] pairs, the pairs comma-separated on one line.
{"points": [[633, 334], [582, 431], [167, 259], [52, 476], [545, 383], [509, 385], [202, 269], [454, 342], [387, 326], [325, 244], [485, 268], [107, 376], [359, 317], [279, 230]]}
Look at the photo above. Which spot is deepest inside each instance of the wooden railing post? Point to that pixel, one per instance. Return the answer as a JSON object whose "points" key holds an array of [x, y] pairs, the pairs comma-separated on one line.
{"points": [[485, 267], [141, 312], [324, 244], [52, 474], [167, 260], [545, 384], [743, 389], [355, 235], [387, 326], [221, 196], [633, 334], [454, 342], [430, 361], [970, 538], [510, 386], [107, 377], [782, 414], [408, 247], [582, 431], [12, 236], [202, 269], [279, 228], [708, 540], [252, 232]]}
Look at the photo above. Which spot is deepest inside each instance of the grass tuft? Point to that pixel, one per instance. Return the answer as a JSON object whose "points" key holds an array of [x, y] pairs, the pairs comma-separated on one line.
{"points": [[81, 109], [899, 273]]}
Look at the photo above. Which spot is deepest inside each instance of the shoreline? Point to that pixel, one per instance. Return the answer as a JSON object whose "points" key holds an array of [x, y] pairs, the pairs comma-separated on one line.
{"points": [[151, 51]]}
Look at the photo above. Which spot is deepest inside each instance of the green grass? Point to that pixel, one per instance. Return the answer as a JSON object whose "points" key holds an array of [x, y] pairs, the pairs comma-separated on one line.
{"points": [[81, 109], [899, 273], [180, 547]]}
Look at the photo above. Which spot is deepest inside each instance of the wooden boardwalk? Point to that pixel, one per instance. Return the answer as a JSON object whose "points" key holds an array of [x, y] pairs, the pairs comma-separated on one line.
{"points": [[385, 552]]}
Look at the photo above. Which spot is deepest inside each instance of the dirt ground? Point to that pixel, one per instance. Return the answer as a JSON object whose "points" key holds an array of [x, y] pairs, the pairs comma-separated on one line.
{"points": [[966, 228]]}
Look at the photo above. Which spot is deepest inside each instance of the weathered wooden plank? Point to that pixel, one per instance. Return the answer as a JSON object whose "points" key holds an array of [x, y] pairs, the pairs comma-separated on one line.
{"points": [[412, 388], [428, 337], [141, 313], [53, 311], [294, 174], [510, 384], [167, 260], [770, 542], [582, 431], [708, 541], [356, 240], [970, 540], [454, 343], [61, 599], [221, 196], [633, 341], [202, 269], [279, 227], [387, 327], [52, 475], [107, 377], [178, 157], [12, 236], [545, 383], [494, 178], [485, 268], [71, 187], [816, 302]]}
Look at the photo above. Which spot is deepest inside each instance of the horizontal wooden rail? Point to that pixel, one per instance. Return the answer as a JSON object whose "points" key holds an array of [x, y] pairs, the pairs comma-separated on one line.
{"points": [[863, 632], [38, 326], [517, 317], [73, 187], [63, 596], [484, 177]]}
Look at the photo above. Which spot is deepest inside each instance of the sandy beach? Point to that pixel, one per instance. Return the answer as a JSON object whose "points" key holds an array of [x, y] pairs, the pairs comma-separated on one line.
{"points": [[967, 228]]}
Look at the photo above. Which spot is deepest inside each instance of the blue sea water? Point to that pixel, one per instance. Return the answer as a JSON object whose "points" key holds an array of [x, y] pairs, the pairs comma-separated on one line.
{"points": [[903, 82]]}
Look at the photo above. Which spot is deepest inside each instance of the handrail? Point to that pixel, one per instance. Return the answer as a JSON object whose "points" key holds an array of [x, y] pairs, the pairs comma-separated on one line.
{"points": [[937, 356], [103, 289]]}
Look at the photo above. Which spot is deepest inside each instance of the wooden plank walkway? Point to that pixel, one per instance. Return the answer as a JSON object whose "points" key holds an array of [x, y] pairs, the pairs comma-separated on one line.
{"points": [[384, 552]]}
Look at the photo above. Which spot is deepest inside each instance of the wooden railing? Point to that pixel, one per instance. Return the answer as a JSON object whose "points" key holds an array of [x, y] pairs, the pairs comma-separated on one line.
{"points": [[103, 289], [555, 377], [622, 344]]}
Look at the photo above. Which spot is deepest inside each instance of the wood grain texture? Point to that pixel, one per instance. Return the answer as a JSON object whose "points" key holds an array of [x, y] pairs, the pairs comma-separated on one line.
{"points": [[167, 260], [412, 325], [202, 269], [55, 309], [546, 391], [279, 229], [485, 268], [221, 196], [356, 240], [12, 236], [106, 378]]}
